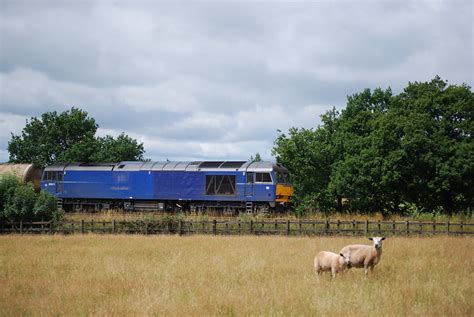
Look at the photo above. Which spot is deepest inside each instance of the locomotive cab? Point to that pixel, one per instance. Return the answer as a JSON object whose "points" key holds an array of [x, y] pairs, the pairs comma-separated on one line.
{"points": [[284, 188]]}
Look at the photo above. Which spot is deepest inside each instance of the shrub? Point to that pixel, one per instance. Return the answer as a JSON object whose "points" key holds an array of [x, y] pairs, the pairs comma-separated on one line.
{"points": [[19, 206], [46, 207], [8, 183]]}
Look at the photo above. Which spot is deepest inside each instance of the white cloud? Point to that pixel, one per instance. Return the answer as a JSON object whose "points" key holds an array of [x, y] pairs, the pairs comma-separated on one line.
{"points": [[210, 80]]}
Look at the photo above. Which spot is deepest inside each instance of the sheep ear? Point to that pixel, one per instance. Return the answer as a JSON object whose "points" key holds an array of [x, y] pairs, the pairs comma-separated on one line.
{"points": [[383, 238], [371, 239]]}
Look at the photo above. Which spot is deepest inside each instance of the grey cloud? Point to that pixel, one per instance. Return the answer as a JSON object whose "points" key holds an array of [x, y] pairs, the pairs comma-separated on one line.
{"points": [[190, 79]]}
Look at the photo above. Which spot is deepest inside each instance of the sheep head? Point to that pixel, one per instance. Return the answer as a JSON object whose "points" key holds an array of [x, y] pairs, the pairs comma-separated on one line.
{"points": [[377, 241]]}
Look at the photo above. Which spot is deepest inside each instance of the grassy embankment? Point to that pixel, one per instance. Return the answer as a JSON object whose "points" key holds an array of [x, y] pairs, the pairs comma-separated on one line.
{"points": [[207, 275]]}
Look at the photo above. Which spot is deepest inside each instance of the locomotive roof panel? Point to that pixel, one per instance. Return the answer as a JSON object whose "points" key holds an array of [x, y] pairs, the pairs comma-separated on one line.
{"points": [[263, 166], [89, 167], [56, 167], [129, 166], [175, 166]]}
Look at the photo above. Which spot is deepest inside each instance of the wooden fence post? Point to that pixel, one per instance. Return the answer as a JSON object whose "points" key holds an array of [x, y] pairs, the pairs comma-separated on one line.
{"points": [[379, 228], [338, 226], [326, 228], [287, 227], [393, 227], [434, 226], [180, 226], [51, 227], [21, 226], [462, 227], [251, 226], [239, 226], [366, 228], [114, 226], [214, 226], [82, 226], [353, 227], [408, 227], [447, 227]]}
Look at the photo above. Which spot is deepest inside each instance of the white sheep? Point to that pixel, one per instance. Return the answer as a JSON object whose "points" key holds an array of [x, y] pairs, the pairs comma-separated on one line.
{"points": [[326, 261], [365, 256]]}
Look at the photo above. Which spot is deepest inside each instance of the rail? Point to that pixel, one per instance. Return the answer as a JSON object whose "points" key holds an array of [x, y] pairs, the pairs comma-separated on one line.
{"points": [[248, 227]]}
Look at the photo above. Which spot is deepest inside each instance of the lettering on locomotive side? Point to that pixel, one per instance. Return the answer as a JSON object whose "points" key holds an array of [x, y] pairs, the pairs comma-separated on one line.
{"points": [[120, 188]]}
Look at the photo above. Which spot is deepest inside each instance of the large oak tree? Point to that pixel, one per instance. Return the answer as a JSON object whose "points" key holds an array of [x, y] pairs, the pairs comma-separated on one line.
{"points": [[69, 137]]}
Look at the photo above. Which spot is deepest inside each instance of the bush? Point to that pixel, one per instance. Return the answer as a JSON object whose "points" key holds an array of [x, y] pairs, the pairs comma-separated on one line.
{"points": [[46, 207], [21, 202], [8, 183], [19, 206]]}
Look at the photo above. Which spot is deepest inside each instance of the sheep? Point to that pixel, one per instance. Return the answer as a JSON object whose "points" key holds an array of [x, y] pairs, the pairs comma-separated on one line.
{"points": [[365, 256], [326, 261]]}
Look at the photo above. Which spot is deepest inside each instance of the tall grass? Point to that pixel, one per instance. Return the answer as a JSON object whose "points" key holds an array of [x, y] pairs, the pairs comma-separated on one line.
{"points": [[130, 216], [207, 275]]}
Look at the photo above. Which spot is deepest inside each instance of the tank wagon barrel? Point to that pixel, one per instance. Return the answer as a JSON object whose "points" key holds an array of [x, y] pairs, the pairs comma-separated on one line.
{"points": [[25, 173], [227, 186]]}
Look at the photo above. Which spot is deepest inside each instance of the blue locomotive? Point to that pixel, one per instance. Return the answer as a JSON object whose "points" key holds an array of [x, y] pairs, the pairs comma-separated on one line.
{"points": [[225, 186]]}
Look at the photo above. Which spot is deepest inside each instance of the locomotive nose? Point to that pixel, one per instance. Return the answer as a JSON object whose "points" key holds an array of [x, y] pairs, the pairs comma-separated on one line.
{"points": [[284, 193]]}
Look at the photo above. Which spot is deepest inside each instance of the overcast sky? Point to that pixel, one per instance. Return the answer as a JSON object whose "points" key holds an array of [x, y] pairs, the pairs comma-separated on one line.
{"points": [[216, 79]]}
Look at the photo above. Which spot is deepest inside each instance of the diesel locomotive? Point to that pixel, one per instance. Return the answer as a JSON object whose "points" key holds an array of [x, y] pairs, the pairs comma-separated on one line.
{"points": [[222, 186]]}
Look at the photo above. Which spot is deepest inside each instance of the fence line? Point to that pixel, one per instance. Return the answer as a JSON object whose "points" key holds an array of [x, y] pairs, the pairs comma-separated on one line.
{"points": [[237, 227]]}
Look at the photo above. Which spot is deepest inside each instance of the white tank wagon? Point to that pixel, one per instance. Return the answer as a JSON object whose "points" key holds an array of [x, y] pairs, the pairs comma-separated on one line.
{"points": [[25, 173]]}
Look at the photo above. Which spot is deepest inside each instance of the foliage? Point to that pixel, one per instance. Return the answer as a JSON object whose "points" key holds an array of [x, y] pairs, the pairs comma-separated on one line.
{"points": [[19, 205], [122, 148], [69, 136], [8, 183], [45, 140], [21, 202], [257, 157], [386, 153], [46, 207]]}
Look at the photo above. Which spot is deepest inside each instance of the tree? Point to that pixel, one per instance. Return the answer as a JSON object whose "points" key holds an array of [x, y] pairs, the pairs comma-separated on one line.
{"points": [[69, 137], [45, 140], [384, 152], [257, 157], [122, 148], [437, 127]]}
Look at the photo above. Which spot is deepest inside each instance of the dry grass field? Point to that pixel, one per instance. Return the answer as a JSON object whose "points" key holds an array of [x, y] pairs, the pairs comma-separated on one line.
{"points": [[229, 276]]}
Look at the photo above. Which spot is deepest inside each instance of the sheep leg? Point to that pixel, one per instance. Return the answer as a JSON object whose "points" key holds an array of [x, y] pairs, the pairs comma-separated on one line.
{"points": [[366, 269], [318, 273], [333, 271]]}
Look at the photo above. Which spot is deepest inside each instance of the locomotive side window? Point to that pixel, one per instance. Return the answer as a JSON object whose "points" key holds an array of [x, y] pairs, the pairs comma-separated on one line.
{"points": [[53, 176], [220, 184], [263, 178]]}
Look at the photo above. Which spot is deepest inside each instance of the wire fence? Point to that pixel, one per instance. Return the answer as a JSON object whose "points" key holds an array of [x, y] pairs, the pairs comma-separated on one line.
{"points": [[247, 227]]}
